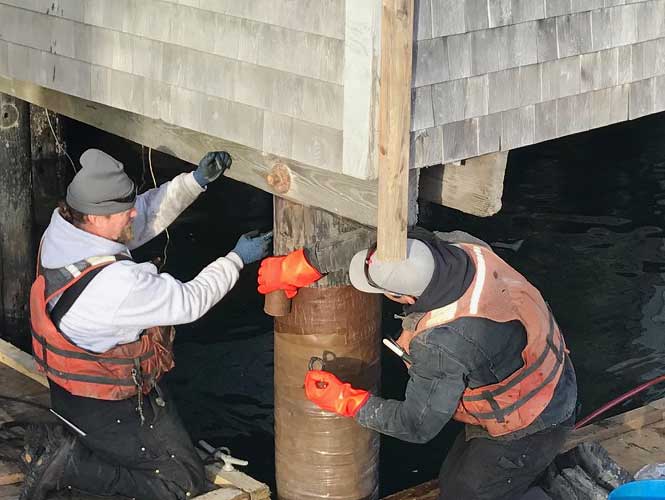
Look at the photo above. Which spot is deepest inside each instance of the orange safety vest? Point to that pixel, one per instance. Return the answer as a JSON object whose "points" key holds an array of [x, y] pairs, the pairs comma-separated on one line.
{"points": [[113, 375], [501, 294]]}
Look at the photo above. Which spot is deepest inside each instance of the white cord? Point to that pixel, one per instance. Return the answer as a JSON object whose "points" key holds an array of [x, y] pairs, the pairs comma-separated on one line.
{"points": [[61, 149], [168, 236]]}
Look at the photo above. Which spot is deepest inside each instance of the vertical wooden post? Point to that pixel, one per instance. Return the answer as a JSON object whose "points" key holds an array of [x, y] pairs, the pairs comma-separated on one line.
{"points": [[51, 170], [319, 455], [394, 127], [17, 259]]}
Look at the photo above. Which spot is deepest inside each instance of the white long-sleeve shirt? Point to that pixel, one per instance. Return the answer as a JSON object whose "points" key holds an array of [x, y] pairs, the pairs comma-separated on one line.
{"points": [[126, 297]]}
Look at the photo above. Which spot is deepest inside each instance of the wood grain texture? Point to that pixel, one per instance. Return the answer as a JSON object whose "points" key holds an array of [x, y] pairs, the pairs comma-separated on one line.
{"points": [[394, 127], [474, 188], [16, 222], [340, 194]]}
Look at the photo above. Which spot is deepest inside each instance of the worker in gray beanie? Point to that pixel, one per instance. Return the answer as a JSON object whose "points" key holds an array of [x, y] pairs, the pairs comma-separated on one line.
{"points": [[102, 331]]}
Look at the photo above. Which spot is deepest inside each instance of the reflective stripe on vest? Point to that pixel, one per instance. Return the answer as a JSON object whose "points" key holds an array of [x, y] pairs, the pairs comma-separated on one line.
{"points": [[501, 294]]}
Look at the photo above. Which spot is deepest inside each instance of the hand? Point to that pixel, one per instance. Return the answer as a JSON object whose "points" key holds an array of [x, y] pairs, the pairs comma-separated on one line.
{"points": [[211, 166], [252, 247], [287, 273], [329, 393]]}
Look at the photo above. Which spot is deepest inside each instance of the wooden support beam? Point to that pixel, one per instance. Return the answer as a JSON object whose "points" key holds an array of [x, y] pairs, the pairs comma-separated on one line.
{"points": [[51, 170], [475, 187], [17, 259], [342, 195], [394, 127]]}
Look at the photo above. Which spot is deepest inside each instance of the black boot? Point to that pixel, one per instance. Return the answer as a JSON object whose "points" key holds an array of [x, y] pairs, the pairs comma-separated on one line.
{"points": [[46, 471], [34, 442]]}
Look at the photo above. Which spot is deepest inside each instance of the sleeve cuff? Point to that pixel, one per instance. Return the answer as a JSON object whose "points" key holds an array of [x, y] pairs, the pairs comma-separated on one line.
{"points": [[235, 258], [193, 185]]}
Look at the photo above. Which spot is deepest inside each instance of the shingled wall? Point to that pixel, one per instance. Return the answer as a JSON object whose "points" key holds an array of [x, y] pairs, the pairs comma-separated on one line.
{"points": [[493, 75], [267, 74]]}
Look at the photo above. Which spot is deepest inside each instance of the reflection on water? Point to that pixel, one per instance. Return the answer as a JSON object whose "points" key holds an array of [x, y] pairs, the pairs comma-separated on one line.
{"points": [[582, 220]]}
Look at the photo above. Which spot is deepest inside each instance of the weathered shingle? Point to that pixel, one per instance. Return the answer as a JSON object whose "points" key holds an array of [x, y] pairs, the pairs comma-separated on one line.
{"points": [[448, 101], [517, 45], [560, 78], [423, 19], [422, 111], [601, 32], [427, 147], [517, 127], [574, 34], [573, 114], [527, 10], [484, 51], [448, 17], [620, 101], [547, 42], [476, 96], [489, 133], [642, 98], [460, 140], [624, 24], [600, 108], [500, 13], [476, 14], [557, 7], [459, 55], [431, 62], [4, 58], [318, 146], [545, 118]]}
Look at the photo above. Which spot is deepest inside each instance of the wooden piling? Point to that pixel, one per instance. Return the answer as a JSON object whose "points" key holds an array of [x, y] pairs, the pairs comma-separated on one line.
{"points": [[51, 170], [17, 259], [317, 454]]}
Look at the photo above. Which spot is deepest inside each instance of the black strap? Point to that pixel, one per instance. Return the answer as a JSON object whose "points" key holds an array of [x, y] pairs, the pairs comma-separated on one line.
{"points": [[70, 296]]}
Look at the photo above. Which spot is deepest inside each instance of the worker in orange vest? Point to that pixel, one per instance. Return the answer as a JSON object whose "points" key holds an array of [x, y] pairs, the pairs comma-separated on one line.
{"points": [[98, 334], [483, 348]]}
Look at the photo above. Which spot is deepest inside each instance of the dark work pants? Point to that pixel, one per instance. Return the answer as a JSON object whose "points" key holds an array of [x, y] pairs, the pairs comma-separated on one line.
{"points": [[119, 456], [490, 469]]}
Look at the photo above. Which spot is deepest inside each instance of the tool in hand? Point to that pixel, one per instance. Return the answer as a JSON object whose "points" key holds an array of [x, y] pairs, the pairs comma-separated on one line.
{"points": [[394, 347]]}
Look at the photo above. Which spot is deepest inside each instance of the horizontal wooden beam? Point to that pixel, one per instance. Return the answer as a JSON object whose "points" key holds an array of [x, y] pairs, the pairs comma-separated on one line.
{"points": [[476, 187], [340, 194]]}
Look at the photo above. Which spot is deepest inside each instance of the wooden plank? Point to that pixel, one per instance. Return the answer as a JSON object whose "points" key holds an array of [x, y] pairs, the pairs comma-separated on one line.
{"points": [[474, 188], [619, 424], [425, 491], [394, 127], [635, 449], [342, 195], [10, 473], [21, 362], [225, 494]]}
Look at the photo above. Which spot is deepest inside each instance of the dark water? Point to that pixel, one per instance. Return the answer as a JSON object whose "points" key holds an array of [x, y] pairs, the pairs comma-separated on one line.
{"points": [[586, 214]]}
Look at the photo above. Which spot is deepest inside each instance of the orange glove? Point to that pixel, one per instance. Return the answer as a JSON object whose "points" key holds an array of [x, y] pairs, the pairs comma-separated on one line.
{"points": [[329, 393], [287, 273]]}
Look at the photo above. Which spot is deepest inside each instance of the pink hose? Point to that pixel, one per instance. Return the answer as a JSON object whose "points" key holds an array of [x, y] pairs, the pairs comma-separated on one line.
{"points": [[619, 400]]}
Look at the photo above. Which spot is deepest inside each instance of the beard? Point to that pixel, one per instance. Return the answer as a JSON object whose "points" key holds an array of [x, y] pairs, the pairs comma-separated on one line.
{"points": [[126, 235]]}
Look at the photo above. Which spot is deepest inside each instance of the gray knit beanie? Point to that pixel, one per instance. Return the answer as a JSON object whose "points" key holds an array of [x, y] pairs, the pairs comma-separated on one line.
{"points": [[101, 187]]}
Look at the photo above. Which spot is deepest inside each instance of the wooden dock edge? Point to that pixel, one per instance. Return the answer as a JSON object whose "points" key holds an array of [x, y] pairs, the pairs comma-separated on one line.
{"points": [[20, 361], [601, 431], [619, 424]]}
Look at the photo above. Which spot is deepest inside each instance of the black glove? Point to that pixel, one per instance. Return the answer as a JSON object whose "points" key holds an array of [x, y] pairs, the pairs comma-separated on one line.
{"points": [[211, 166]]}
